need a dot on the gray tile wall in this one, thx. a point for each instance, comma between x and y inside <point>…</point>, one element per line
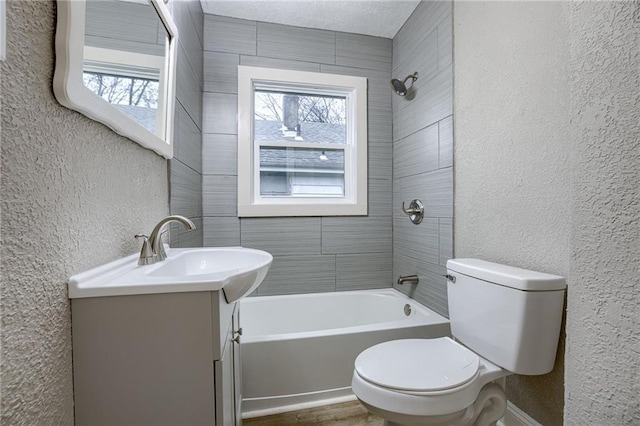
<point>185,168</point>
<point>129,26</point>
<point>423,153</point>
<point>310,254</point>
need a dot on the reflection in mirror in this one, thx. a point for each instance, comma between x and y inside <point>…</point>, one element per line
<point>115,63</point>
<point>124,55</point>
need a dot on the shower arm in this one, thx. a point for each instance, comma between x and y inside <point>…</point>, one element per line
<point>413,78</point>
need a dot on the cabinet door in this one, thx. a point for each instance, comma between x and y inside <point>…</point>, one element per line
<point>237,367</point>
<point>228,379</point>
<point>224,371</point>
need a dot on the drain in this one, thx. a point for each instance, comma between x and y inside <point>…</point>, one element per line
<point>407,309</point>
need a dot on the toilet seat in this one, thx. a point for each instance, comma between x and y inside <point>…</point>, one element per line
<point>418,365</point>
<point>376,384</point>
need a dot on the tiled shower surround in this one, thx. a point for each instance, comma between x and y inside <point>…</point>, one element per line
<point>423,153</point>
<point>410,156</point>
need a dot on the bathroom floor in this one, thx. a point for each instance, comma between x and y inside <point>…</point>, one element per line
<point>345,414</point>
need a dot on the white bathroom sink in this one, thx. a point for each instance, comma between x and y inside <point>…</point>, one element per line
<point>209,261</point>
<point>237,271</point>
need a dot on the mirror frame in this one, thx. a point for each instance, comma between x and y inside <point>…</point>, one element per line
<point>70,91</point>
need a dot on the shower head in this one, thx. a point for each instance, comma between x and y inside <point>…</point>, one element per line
<point>400,86</point>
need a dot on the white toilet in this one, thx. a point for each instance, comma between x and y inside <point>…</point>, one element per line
<point>508,320</point>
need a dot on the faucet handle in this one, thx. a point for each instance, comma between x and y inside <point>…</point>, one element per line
<point>415,211</point>
<point>145,238</point>
<point>146,254</point>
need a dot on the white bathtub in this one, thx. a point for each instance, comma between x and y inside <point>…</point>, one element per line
<point>299,350</point>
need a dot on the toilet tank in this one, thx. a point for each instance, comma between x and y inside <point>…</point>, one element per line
<point>508,315</point>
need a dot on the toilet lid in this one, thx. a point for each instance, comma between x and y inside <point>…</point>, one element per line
<point>419,365</point>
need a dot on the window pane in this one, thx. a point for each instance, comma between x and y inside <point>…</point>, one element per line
<point>281,116</point>
<point>291,172</point>
<point>137,98</point>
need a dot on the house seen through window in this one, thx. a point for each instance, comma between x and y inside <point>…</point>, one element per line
<point>311,134</point>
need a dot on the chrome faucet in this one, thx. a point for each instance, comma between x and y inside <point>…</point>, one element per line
<point>155,240</point>
<point>413,279</point>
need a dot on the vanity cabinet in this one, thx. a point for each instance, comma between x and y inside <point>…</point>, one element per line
<point>156,359</point>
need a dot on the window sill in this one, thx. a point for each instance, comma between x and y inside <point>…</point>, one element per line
<point>293,209</point>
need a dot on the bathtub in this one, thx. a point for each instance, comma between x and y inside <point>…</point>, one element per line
<point>298,351</point>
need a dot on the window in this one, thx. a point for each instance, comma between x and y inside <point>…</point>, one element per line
<point>137,98</point>
<point>129,81</point>
<point>302,143</point>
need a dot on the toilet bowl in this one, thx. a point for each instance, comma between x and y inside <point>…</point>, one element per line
<point>428,382</point>
<point>508,320</point>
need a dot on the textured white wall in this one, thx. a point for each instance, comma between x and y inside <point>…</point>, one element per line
<point>603,315</point>
<point>546,177</point>
<point>73,195</point>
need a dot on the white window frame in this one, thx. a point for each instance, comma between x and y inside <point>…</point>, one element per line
<point>354,202</point>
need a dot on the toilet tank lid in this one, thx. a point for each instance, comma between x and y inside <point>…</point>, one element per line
<point>521,279</point>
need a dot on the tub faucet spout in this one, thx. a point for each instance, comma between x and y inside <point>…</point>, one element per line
<point>155,239</point>
<point>413,279</point>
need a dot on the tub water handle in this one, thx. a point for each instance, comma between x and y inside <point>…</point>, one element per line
<point>415,211</point>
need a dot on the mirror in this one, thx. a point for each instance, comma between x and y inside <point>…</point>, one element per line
<point>115,63</point>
